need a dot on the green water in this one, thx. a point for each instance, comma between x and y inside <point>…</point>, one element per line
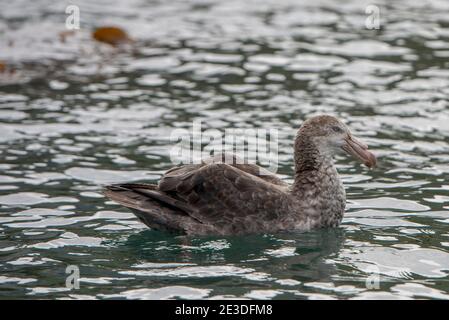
<point>77,115</point>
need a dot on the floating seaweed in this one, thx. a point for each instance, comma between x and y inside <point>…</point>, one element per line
<point>111,35</point>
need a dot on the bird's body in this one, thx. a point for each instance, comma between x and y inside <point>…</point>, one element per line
<point>218,197</point>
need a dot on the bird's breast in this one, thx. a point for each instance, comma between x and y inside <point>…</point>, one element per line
<point>322,199</point>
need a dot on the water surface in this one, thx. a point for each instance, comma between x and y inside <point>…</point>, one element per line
<point>76,115</point>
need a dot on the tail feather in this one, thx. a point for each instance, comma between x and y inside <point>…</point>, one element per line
<point>149,210</point>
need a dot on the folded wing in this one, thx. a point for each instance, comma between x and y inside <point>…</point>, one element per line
<point>210,198</point>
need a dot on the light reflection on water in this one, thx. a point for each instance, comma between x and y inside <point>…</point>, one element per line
<point>76,115</point>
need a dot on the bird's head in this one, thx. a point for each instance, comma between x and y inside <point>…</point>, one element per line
<point>331,136</point>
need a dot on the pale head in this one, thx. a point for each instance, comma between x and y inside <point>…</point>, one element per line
<point>331,136</point>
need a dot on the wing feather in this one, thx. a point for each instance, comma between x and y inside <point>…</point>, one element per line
<point>221,194</point>
<point>210,197</point>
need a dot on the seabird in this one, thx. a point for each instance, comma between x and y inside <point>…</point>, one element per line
<point>220,198</point>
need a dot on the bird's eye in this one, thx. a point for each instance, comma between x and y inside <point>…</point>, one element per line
<point>337,129</point>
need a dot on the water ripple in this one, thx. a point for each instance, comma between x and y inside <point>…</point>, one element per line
<point>76,114</point>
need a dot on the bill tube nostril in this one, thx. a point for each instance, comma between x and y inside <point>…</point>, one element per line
<point>359,150</point>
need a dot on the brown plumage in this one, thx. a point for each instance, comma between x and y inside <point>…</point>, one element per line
<point>220,198</point>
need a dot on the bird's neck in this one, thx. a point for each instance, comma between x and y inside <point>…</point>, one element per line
<point>311,165</point>
<point>317,187</point>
